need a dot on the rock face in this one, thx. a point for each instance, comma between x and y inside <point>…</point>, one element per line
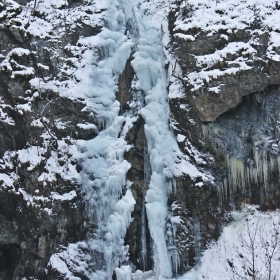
<point>228,109</point>
<point>222,63</point>
<point>40,209</point>
<point>88,142</point>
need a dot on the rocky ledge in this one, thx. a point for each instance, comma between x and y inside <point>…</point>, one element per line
<point>225,52</point>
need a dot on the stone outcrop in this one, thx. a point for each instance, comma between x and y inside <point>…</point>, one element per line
<point>37,216</point>
<point>220,67</point>
<point>227,114</point>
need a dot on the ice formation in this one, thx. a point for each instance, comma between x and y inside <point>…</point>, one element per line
<point>254,161</point>
<point>103,177</point>
<point>148,64</point>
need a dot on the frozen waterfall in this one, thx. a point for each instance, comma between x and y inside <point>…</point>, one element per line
<point>152,77</point>
<point>107,192</point>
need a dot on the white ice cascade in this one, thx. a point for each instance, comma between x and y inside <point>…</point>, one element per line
<point>107,193</point>
<point>148,64</point>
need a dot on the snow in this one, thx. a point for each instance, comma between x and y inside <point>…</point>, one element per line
<point>233,48</point>
<point>181,138</point>
<point>9,63</point>
<point>60,266</point>
<point>66,196</point>
<point>72,257</point>
<point>216,259</point>
<point>197,79</point>
<point>22,108</point>
<point>43,66</point>
<point>32,155</point>
<point>192,151</point>
<point>190,169</point>
<point>273,45</point>
<point>7,180</point>
<point>123,273</point>
<point>185,37</point>
<point>61,124</point>
<point>227,16</point>
<point>87,126</point>
<point>176,89</point>
<point>4,118</point>
<point>40,28</point>
<point>37,123</point>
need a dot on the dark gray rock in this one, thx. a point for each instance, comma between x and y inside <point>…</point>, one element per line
<point>259,72</point>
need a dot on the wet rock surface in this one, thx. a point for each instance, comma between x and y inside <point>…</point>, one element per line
<point>138,236</point>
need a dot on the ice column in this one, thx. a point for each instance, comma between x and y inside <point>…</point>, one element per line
<point>103,176</point>
<point>143,238</point>
<point>148,64</point>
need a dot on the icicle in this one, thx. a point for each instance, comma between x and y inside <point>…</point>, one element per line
<point>123,273</point>
<point>174,258</point>
<point>236,173</point>
<point>157,212</point>
<point>171,241</point>
<point>197,239</point>
<point>143,238</point>
<point>221,192</point>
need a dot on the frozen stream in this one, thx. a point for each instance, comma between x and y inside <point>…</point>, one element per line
<point>162,147</point>
<point>107,192</point>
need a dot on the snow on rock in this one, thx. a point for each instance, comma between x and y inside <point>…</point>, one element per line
<point>4,117</point>
<point>66,196</point>
<point>11,65</point>
<point>227,49</point>
<point>274,44</point>
<point>71,260</point>
<point>181,137</point>
<point>32,155</point>
<point>213,16</point>
<point>87,126</point>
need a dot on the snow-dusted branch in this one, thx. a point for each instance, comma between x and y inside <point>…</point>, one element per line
<point>259,252</point>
